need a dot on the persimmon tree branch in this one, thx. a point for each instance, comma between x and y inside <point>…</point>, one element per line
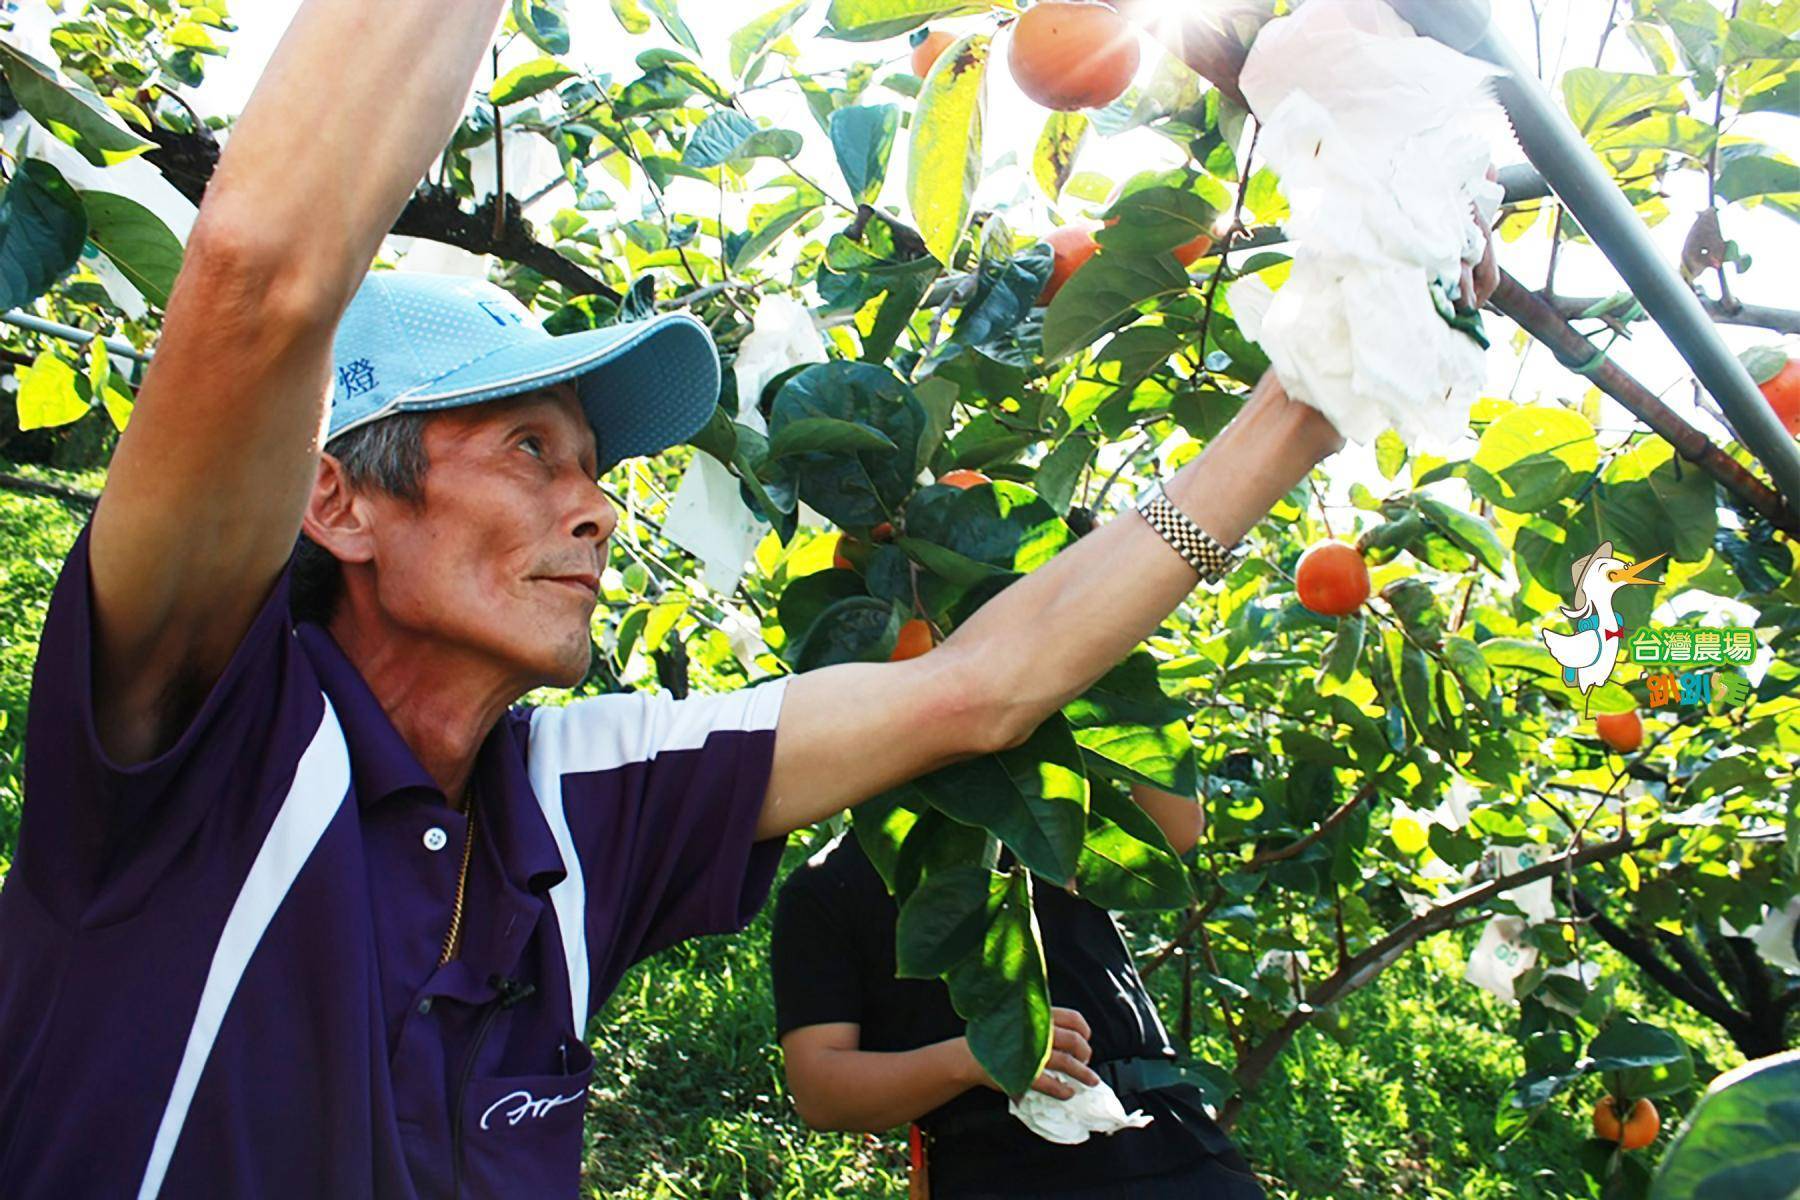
<point>1337,817</point>
<point>1781,320</point>
<point>1538,317</point>
<point>1700,996</point>
<point>496,226</point>
<point>79,497</point>
<point>1362,968</point>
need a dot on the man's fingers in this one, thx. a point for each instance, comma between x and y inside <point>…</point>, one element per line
<point>1465,292</point>
<point>1487,276</point>
<point>1052,1086</point>
<point>1068,1018</point>
<point>1072,1067</point>
<point>1072,1044</point>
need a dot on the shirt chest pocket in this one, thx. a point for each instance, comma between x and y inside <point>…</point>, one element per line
<point>521,1134</point>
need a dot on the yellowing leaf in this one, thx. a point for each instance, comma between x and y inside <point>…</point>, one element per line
<point>1409,836</point>
<point>47,394</point>
<point>944,157</point>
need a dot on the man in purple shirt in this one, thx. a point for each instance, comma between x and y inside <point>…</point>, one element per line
<point>304,903</point>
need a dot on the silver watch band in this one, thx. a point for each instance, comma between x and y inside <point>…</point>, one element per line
<point>1201,551</point>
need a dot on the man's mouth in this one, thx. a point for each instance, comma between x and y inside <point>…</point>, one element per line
<point>587,584</point>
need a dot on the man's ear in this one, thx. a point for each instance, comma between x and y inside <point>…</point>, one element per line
<point>337,518</point>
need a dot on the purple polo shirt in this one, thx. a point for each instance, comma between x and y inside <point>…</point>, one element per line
<point>218,968</point>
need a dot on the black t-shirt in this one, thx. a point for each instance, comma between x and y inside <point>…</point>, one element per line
<point>832,956</point>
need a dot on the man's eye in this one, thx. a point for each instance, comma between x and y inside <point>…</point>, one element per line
<point>532,444</point>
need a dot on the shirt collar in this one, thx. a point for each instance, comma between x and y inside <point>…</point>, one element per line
<point>382,764</point>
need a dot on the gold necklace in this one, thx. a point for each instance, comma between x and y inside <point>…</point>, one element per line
<point>454,934</point>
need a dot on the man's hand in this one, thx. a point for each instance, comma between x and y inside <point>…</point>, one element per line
<point>1480,280</point>
<point>1069,1053</point>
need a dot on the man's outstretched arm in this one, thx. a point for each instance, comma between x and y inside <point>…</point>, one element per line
<point>210,480</point>
<point>850,731</point>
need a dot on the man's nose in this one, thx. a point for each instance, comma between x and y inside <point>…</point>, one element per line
<point>594,517</point>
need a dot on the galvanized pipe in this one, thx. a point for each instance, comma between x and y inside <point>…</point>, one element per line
<point>1590,195</point>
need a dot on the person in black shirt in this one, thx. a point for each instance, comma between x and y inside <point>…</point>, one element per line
<point>865,1050</point>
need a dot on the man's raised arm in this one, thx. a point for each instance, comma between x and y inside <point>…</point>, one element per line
<point>206,491</point>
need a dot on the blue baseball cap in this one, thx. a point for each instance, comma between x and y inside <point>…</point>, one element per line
<point>415,342</point>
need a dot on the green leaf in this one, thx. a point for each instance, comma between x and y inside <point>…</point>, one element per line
<point>1053,160</point>
<point>1002,524</point>
<point>76,117</point>
<point>544,22</point>
<point>631,16</point>
<point>669,17</point>
<point>1342,656</point>
<point>1130,730</point>
<point>1004,994</point>
<point>1390,454</point>
<point>1653,504</point>
<point>1762,179</point>
<point>1648,1060</point>
<point>855,629</point>
<point>1661,131</point>
<point>826,435</point>
<point>1741,1139</point>
<point>1470,664</point>
<point>873,20</point>
<point>48,394</point>
<point>727,135</point>
<point>1598,99</point>
<point>1006,289</point>
<point>859,487</point>
<point>137,242</point>
<point>862,137</point>
<point>1061,469</point>
<point>944,155</point>
<point>768,226</point>
<point>945,919</point>
<point>1126,862</point>
<point>1533,456</point>
<point>1104,294</point>
<point>1156,219</point>
<point>528,79</point>
<point>1033,797</point>
<point>42,230</point>
<point>750,45</point>
<point>1466,530</point>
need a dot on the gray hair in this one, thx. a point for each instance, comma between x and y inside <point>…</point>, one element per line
<point>386,456</point>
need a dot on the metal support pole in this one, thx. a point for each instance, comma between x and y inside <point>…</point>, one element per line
<point>69,333</point>
<point>1590,195</point>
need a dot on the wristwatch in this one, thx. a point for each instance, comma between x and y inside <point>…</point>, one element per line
<point>1199,548</point>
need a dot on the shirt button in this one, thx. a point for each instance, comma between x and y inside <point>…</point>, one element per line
<point>436,838</point>
<point>425,1005</point>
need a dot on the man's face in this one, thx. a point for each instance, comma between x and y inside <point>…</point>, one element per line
<point>502,560</point>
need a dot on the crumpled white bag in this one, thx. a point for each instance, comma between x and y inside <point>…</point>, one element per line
<point>782,335</point>
<point>1373,132</point>
<point>708,518</point>
<point>1536,899</point>
<point>1500,957</point>
<point>1774,937</point>
<point>707,515</point>
<point>1092,1109</point>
